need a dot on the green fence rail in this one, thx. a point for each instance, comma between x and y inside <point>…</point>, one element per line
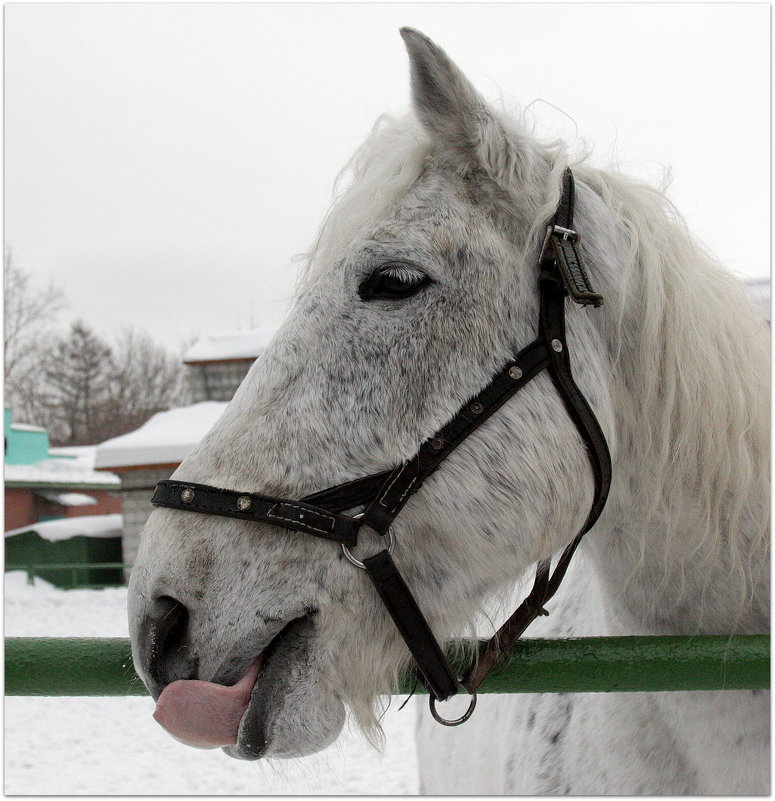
<point>80,666</point>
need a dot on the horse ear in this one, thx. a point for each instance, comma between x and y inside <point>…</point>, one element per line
<point>449,107</point>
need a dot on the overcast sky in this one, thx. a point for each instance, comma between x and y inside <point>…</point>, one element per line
<point>164,162</point>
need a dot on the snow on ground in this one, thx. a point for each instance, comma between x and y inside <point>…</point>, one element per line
<point>167,437</point>
<point>112,746</point>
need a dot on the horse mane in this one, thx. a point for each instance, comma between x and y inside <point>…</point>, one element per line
<point>697,367</point>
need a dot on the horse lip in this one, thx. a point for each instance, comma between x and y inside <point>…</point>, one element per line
<point>252,736</point>
<point>239,658</point>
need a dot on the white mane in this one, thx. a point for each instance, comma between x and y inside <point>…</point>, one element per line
<point>699,338</point>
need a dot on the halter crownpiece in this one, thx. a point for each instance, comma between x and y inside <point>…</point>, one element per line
<point>561,273</point>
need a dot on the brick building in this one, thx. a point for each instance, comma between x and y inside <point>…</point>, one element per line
<point>43,483</point>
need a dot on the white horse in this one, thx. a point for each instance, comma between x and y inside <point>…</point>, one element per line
<point>445,217</point>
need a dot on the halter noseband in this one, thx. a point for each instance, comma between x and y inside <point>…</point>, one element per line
<point>561,272</point>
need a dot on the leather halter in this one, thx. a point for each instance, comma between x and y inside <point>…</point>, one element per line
<point>561,273</point>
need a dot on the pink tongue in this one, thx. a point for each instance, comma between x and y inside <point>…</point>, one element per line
<point>203,714</point>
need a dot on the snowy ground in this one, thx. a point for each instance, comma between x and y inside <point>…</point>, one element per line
<point>112,746</point>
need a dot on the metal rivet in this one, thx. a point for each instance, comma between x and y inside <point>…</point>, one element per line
<point>515,372</point>
<point>437,443</point>
<point>243,503</point>
<point>187,495</point>
<point>477,408</point>
<point>556,345</point>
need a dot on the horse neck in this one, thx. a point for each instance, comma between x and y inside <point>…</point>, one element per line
<point>683,544</point>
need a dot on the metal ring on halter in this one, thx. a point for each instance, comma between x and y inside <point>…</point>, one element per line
<point>457,721</point>
<point>358,563</point>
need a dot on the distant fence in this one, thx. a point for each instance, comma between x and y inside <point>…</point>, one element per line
<point>77,571</point>
<point>103,666</point>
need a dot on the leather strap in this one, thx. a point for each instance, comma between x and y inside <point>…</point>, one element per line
<point>296,515</point>
<point>424,647</point>
<point>406,479</point>
<point>562,240</point>
<point>350,495</point>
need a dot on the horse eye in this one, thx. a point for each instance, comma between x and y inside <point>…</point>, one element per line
<point>393,282</point>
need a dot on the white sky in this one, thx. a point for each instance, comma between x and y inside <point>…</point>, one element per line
<point>164,162</point>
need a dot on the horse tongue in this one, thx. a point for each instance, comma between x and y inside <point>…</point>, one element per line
<point>203,714</point>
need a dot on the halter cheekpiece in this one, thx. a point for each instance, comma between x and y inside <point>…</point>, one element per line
<point>561,273</point>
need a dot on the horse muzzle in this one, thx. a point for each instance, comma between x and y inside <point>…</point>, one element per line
<point>263,700</point>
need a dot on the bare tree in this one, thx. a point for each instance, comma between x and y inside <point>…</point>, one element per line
<point>146,379</point>
<point>28,315</point>
<point>79,371</point>
<point>77,386</point>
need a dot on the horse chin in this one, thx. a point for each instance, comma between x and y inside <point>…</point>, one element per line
<point>291,713</point>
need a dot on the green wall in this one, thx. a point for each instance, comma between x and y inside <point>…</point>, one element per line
<point>29,548</point>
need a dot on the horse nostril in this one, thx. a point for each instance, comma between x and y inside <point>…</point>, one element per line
<point>167,653</point>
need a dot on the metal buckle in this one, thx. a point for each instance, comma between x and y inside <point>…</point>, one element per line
<point>456,721</point>
<point>357,562</point>
<point>567,233</point>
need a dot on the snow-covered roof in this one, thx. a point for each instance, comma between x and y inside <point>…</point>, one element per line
<point>230,345</point>
<point>27,427</point>
<point>81,455</point>
<point>69,527</point>
<point>59,473</point>
<point>167,438</point>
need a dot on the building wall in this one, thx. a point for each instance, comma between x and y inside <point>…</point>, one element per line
<point>136,491</point>
<point>19,507</point>
<point>23,507</point>
<point>205,381</point>
<point>108,503</point>
<point>215,381</point>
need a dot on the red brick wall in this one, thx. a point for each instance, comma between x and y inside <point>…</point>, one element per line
<point>23,507</point>
<point>107,504</point>
<point>19,508</point>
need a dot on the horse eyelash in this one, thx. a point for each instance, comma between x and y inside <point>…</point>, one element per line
<point>402,272</point>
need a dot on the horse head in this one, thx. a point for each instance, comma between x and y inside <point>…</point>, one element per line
<point>421,285</point>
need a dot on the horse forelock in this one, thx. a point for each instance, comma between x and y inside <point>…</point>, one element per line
<point>376,175</point>
<point>384,167</point>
